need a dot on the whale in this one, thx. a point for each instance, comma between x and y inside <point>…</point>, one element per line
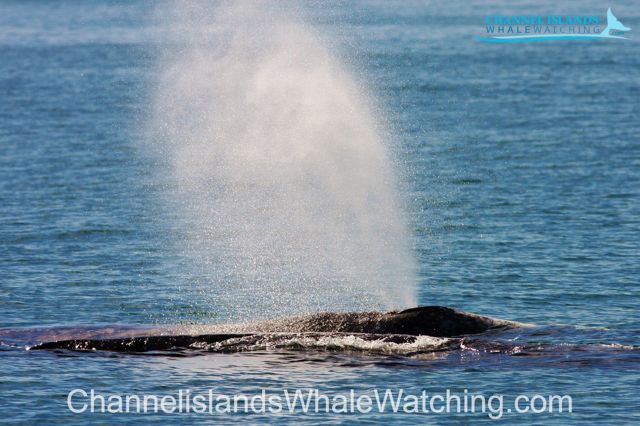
<point>395,326</point>
<point>613,23</point>
<point>427,334</point>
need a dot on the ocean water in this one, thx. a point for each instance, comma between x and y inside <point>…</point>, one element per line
<point>520,165</point>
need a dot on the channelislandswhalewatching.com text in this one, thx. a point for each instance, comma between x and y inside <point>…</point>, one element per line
<point>309,401</point>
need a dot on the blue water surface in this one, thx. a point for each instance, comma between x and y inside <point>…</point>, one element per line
<point>521,165</point>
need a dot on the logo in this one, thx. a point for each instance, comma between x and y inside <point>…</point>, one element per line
<point>526,28</point>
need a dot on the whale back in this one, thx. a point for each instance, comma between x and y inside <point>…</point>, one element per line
<point>436,321</point>
<point>427,321</point>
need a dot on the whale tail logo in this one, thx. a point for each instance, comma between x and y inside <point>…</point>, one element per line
<point>613,24</point>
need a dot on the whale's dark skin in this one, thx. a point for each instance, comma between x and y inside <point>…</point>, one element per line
<point>436,321</point>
